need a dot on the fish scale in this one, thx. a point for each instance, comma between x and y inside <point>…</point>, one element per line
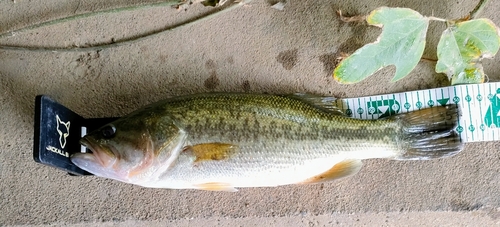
<point>269,118</point>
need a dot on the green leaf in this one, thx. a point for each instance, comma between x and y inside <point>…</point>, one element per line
<point>461,48</point>
<point>401,44</point>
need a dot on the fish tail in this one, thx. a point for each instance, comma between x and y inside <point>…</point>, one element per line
<point>429,133</point>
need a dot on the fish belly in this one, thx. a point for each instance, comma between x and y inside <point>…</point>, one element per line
<point>268,164</point>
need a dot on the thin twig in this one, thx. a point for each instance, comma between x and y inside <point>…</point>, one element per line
<point>90,14</point>
<point>346,19</point>
<point>125,41</point>
<point>479,8</point>
<point>437,19</point>
<point>430,60</point>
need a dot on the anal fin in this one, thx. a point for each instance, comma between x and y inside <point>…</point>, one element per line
<point>216,186</point>
<point>342,169</point>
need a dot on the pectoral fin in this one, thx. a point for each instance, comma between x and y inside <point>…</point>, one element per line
<point>216,186</point>
<point>212,151</point>
<point>342,169</point>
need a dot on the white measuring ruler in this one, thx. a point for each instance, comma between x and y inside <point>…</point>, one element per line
<point>479,104</point>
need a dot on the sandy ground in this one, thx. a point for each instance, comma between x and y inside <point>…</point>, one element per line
<point>250,49</point>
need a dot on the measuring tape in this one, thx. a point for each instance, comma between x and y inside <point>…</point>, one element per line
<point>479,104</point>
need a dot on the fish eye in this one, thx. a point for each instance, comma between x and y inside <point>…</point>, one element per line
<point>108,131</point>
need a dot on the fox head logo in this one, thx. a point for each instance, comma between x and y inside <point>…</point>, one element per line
<point>63,130</point>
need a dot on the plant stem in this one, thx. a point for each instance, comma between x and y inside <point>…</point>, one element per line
<point>346,19</point>
<point>90,14</point>
<point>479,8</point>
<point>431,60</point>
<point>125,41</point>
<point>437,19</point>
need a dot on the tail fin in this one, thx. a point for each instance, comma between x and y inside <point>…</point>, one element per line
<point>430,133</point>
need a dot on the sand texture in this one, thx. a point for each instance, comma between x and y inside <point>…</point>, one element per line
<point>254,48</point>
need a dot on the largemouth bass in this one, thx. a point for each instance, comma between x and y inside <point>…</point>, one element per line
<point>226,141</point>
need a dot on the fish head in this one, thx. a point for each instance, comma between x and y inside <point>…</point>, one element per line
<point>130,149</point>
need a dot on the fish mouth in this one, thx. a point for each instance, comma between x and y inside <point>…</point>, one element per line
<point>86,143</point>
<point>101,154</point>
<point>100,161</point>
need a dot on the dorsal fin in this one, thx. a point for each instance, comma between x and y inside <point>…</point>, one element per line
<point>324,102</point>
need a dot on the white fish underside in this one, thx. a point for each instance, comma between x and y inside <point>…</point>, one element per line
<point>266,165</point>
